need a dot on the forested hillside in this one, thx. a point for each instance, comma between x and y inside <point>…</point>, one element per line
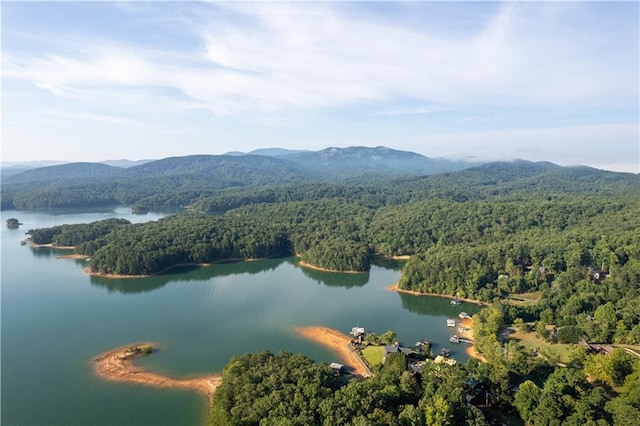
<point>179,181</point>
<point>376,176</point>
<point>555,251</point>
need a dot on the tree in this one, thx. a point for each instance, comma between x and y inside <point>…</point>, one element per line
<point>527,399</point>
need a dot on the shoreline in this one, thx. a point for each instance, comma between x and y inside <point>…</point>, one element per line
<point>50,245</point>
<point>88,271</point>
<point>394,287</point>
<point>117,365</point>
<point>395,257</point>
<point>468,323</point>
<point>73,256</point>
<point>338,343</point>
<point>318,268</point>
<point>471,349</point>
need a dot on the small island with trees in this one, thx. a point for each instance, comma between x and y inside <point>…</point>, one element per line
<point>13,223</point>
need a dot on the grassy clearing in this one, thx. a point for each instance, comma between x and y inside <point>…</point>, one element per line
<point>373,355</point>
<point>555,353</point>
<point>525,299</point>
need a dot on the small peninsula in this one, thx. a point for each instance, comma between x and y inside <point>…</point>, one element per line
<point>117,365</point>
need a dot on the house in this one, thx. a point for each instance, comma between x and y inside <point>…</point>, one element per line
<point>395,348</point>
<point>593,348</point>
<point>597,275</point>
<point>442,360</point>
<point>337,369</point>
<point>476,393</point>
<point>358,333</point>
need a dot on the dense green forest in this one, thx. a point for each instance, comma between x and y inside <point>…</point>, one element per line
<point>287,389</point>
<point>510,387</point>
<point>219,183</point>
<point>180,181</point>
<point>567,237</point>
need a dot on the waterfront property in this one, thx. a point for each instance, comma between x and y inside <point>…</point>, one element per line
<point>338,369</point>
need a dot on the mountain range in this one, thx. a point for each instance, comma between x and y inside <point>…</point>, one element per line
<point>180,181</point>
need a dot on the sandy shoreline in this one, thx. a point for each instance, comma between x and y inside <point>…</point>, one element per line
<point>117,365</point>
<point>394,287</point>
<point>73,256</point>
<point>317,268</point>
<point>50,245</point>
<point>471,350</point>
<point>338,343</point>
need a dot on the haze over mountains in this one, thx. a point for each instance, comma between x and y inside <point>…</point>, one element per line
<point>279,174</point>
<point>338,162</point>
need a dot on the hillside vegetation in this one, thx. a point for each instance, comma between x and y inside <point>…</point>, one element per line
<point>571,236</point>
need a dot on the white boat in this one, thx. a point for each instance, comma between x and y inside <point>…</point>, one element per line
<point>451,323</point>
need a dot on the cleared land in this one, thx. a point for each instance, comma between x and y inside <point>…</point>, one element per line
<point>556,352</point>
<point>373,355</point>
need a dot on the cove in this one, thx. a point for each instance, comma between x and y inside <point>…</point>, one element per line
<point>55,319</point>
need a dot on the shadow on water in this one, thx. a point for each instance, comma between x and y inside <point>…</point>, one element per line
<point>186,273</point>
<point>427,305</point>
<point>386,263</point>
<point>49,251</point>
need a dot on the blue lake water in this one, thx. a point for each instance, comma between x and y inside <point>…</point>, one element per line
<point>55,319</point>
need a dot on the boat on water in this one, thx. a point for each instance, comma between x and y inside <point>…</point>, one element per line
<point>456,302</point>
<point>451,323</point>
<point>445,352</point>
<point>454,338</point>
<point>464,315</point>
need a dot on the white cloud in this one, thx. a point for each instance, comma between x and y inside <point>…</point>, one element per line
<point>600,146</point>
<point>275,57</point>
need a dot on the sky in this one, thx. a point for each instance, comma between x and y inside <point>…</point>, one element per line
<point>542,81</point>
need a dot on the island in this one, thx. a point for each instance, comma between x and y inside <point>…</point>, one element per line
<point>13,223</point>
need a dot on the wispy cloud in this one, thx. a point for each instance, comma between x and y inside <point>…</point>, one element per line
<point>103,118</point>
<point>472,78</point>
<point>274,57</point>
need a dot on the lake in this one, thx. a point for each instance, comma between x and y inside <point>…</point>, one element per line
<point>56,319</point>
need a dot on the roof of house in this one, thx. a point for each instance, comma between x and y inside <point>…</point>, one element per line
<point>396,348</point>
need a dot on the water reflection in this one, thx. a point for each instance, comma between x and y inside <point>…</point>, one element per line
<point>49,251</point>
<point>336,279</point>
<point>440,306</point>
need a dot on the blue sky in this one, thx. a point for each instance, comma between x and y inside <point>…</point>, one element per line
<point>91,81</point>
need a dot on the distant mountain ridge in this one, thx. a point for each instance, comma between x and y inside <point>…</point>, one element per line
<point>237,179</point>
<point>333,163</point>
<point>379,161</point>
